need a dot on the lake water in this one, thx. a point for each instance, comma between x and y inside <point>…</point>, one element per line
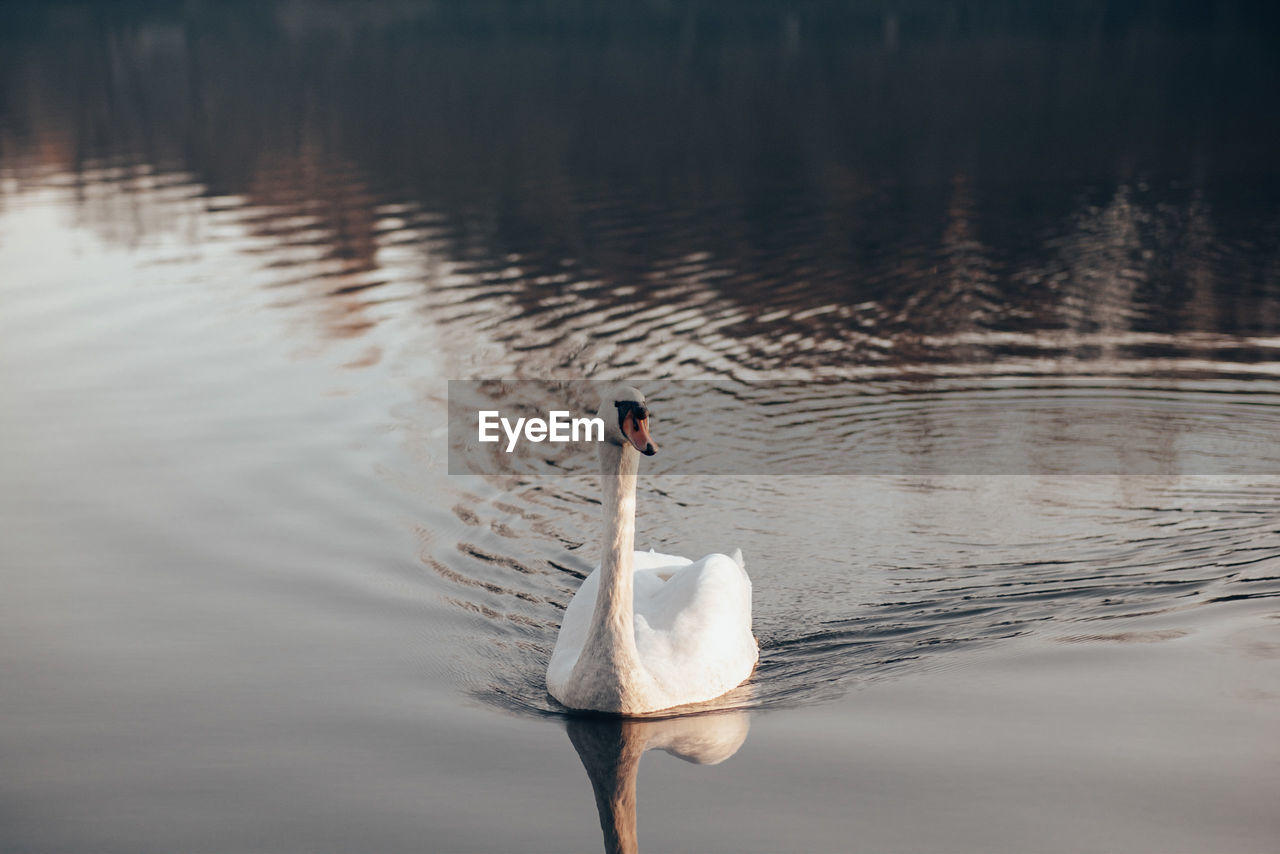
<point>1014,275</point>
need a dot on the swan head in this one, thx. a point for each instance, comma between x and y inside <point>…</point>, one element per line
<point>626,419</point>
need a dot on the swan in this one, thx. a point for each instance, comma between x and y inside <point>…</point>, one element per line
<point>648,631</point>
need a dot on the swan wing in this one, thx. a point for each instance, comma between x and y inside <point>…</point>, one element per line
<point>693,632</point>
<point>652,560</point>
<point>573,633</point>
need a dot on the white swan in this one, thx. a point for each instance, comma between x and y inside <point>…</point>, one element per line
<point>648,631</point>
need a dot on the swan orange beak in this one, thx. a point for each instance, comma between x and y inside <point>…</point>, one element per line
<point>637,432</point>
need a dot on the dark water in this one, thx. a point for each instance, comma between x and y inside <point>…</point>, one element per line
<point>244,247</point>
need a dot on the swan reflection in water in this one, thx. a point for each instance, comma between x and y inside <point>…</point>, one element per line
<point>610,749</point>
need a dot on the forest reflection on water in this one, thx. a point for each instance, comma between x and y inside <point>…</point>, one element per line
<point>243,248</point>
<point>927,192</point>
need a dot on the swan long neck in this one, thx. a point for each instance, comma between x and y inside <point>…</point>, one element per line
<point>608,672</point>
<point>613,620</point>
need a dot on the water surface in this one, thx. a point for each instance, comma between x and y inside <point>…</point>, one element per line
<point>244,248</point>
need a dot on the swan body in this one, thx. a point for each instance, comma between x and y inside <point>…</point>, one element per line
<point>649,631</point>
<point>692,625</point>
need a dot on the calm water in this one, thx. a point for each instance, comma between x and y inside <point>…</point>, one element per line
<point>244,247</point>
